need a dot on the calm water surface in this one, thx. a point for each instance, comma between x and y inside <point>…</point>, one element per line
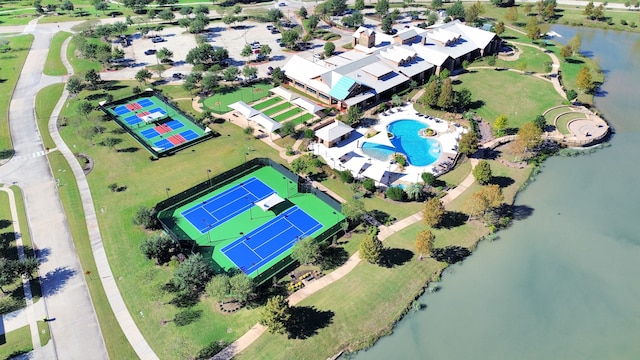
<point>565,282</point>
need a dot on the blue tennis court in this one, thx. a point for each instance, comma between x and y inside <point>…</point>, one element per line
<point>149,133</point>
<point>120,110</point>
<point>145,102</point>
<point>132,120</point>
<point>267,242</point>
<point>227,204</point>
<point>163,144</point>
<point>174,124</point>
<point>189,135</point>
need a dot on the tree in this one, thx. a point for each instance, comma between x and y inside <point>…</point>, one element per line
<point>598,12</point>
<point>462,98</point>
<point>396,100</point>
<point>303,12</point>
<point>428,178</point>
<point>414,191</point>
<point>265,50</point>
<point>541,122</point>
<point>143,75</point>
<point>371,247</point>
<point>246,52</point>
<point>424,242</point>
<point>588,9</point>
<point>101,6</point>
<point>193,274</point>
<point>566,51</point>
<point>145,217</point>
<point>230,73</point>
<point>219,288</point>
<point>329,48</point>
<point>74,85</point>
<point>117,53</point>
<point>7,273</point>
<point>307,251</point>
<point>500,125</point>
<point>499,28</point>
<point>277,76</point>
<point>359,5</point>
<point>159,247</point>
<point>527,139</point>
<point>67,6</point>
<point>274,15</point>
<point>431,94</point>
<point>382,8</point>
<point>482,172</point>
<point>27,267</point>
<point>164,55</point>
<point>387,24</point>
<point>433,212</point>
<point>532,29</point>
<point>512,14</point>
<point>276,314</point>
<point>456,10</point>
<point>85,108</point>
<point>488,197</point>
<point>445,99</point>
<point>207,55</point>
<point>186,11</point>
<point>137,6</point>
<point>571,94</point>
<point>584,80</point>
<point>242,286</point>
<point>436,4</point>
<point>575,44</point>
<point>433,17</point>
<point>353,210</point>
<point>166,15</point>
<point>289,38</point>
<point>249,72</point>
<point>369,185</point>
<point>468,143</point>
<point>88,132</point>
<point>338,6</point>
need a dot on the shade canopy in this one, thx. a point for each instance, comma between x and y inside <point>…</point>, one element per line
<point>381,138</point>
<point>310,106</point>
<point>244,109</point>
<point>376,171</point>
<point>266,122</point>
<point>283,93</point>
<point>333,131</point>
<point>355,164</point>
<point>269,202</point>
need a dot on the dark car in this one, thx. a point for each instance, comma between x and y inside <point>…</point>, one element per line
<point>157,39</point>
<point>178,76</point>
<point>150,52</point>
<point>270,70</point>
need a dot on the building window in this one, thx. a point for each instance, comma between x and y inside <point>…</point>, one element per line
<point>323,96</point>
<point>312,91</point>
<point>300,85</point>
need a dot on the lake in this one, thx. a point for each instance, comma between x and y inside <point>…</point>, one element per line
<point>563,283</point>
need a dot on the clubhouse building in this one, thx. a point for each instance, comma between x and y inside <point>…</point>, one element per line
<point>381,65</point>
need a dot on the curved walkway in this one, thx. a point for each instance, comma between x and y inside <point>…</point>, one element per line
<point>129,328</point>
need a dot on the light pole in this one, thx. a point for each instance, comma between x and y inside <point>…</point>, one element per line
<point>209,176</point>
<point>167,190</point>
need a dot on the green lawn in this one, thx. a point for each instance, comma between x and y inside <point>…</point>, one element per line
<point>563,121</point>
<point>53,65</point>
<point>46,100</point>
<point>219,103</point>
<point>285,115</point>
<point>265,104</point>
<point>81,66</point>
<point>570,69</point>
<point>302,118</point>
<point>17,342</point>
<point>519,97</point>
<point>10,69</point>
<point>141,283</point>
<point>276,109</point>
<point>530,59</point>
<point>19,17</point>
<point>551,115</point>
<point>44,332</point>
<point>359,309</point>
<point>454,177</point>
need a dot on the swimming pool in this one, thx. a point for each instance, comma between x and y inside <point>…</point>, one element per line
<point>420,151</point>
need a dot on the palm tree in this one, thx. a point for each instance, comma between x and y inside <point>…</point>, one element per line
<point>414,191</point>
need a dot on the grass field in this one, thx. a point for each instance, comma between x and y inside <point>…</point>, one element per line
<point>81,66</point>
<point>276,109</point>
<point>46,100</point>
<point>457,175</point>
<point>266,103</point>
<point>551,115</point>
<point>44,332</point>
<point>570,71</point>
<point>519,97</point>
<point>285,115</point>
<point>53,65</point>
<point>563,121</point>
<point>16,342</point>
<point>530,59</point>
<point>219,103</point>
<point>12,63</point>
<point>141,283</point>
<point>302,118</point>
<point>18,17</point>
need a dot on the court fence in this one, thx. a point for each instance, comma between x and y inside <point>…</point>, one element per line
<point>165,208</point>
<point>149,93</point>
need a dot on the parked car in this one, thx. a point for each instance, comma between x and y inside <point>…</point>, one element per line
<point>270,70</point>
<point>178,76</point>
<point>150,51</point>
<point>275,31</point>
<point>282,4</point>
<point>157,39</point>
<point>269,27</point>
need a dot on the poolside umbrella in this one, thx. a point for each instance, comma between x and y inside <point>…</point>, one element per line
<point>381,138</point>
<point>355,164</point>
<point>376,171</point>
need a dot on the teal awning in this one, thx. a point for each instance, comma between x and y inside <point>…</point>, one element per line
<point>342,88</point>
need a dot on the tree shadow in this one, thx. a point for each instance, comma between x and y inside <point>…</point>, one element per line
<point>184,299</point>
<point>53,281</point>
<point>4,223</point>
<point>574,61</point>
<point>521,212</point>
<point>307,320</point>
<point>392,257</point>
<point>333,257</point>
<point>42,254</point>
<point>477,104</point>
<point>450,254</point>
<point>381,216</point>
<point>131,149</point>
<point>453,219</point>
<point>502,181</point>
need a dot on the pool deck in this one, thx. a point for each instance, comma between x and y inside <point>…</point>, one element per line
<point>340,155</point>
